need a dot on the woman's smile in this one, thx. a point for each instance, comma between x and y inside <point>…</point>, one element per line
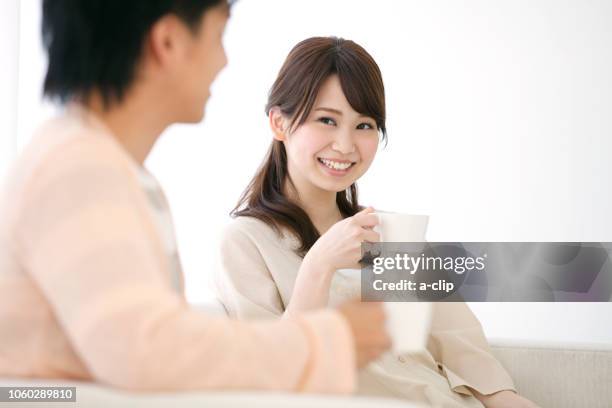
<point>334,167</point>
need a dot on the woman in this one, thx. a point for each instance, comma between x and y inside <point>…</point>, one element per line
<point>298,225</point>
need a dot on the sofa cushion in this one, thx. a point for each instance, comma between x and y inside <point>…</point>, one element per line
<point>559,375</point>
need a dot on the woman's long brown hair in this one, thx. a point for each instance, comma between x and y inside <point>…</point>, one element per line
<point>294,92</point>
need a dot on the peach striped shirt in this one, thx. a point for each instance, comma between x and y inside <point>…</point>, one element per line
<point>86,290</point>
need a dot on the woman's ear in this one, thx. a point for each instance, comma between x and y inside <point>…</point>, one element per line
<point>278,123</point>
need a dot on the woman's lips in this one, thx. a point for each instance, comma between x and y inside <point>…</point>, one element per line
<point>335,168</point>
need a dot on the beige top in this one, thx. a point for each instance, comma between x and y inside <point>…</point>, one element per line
<point>255,276</point>
<point>90,290</point>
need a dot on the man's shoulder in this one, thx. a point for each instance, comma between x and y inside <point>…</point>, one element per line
<point>69,141</point>
<point>63,149</point>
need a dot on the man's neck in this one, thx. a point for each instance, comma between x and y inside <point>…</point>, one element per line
<point>135,122</point>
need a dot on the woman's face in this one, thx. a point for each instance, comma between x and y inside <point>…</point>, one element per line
<point>334,146</point>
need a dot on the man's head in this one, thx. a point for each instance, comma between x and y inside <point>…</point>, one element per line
<point>108,48</point>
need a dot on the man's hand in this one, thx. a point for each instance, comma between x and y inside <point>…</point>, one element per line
<point>367,321</point>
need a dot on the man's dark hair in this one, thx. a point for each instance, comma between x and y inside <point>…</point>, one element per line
<point>96,44</point>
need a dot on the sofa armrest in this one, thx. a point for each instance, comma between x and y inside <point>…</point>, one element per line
<point>559,375</point>
<point>93,395</point>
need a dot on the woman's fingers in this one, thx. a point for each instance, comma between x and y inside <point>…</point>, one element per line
<point>366,218</point>
<point>370,236</point>
<point>366,210</point>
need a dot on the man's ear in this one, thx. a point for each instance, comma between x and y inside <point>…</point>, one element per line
<point>278,123</point>
<point>166,41</point>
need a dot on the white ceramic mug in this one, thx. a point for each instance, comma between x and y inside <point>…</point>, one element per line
<point>407,322</point>
<point>396,227</point>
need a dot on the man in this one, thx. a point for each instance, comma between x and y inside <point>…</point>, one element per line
<point>90,285</point>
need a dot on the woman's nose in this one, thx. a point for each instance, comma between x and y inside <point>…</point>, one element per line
<point>343,143</point>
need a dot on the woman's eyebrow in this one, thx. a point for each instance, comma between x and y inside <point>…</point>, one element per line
<point>339,112</point>
<point>336,111</point>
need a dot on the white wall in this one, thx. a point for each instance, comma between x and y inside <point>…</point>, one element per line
<point>9,44</point>
<point>31,109</point>
<point>499,128</point>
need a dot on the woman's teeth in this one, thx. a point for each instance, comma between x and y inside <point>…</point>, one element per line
<point>336,165</point>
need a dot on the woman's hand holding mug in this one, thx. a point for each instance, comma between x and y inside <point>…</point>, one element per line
<point>338,248</point>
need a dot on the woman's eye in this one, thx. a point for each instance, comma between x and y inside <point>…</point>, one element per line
<point>365,126</point>
<point>327,121</point>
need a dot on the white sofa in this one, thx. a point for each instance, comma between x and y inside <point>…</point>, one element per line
<point>552,375</point>
<point>559,375</point>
